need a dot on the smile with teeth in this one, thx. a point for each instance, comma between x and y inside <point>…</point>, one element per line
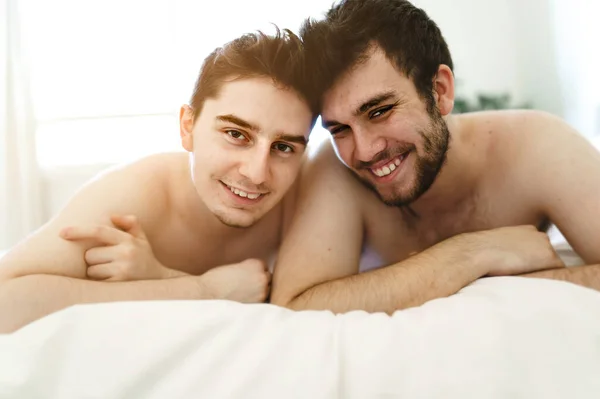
<point>244,194</point>
<point>390,167</point>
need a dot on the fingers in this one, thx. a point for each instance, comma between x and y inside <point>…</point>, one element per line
<point>128,223</point>
<point>102,271</point>
<point>112,271</point>
<point>104,234</point>
<point>123,222</point>
<point>99,255</point>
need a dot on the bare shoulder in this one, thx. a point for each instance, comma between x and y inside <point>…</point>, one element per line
<point>324,169</point>
<point>528,149</point>
<point>513,128</point>
<point>520,138</point>
<point>138,186</point>
<point>150,171</point>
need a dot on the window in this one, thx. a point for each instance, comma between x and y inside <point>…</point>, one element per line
<point>576,24</point>
<point>108,77</point>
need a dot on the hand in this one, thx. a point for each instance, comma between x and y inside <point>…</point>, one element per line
<point>509,251</point>
<point>248,281</point>
<point>121,253</point>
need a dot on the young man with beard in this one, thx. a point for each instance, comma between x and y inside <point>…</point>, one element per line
<point>206,221</point>
<point>428,176</point>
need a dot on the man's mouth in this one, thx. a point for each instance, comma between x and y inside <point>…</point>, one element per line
<point>243,193</point>
<point>389,167</point>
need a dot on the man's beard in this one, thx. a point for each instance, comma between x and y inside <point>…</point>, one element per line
<point>436,140</point>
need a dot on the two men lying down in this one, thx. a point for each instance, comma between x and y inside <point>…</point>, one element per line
<point>442,199</point>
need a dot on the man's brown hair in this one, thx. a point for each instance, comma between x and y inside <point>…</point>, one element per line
<point>409,38</point>
<point>253,55</point>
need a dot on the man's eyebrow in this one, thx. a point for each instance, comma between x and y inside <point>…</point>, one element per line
<point>364,107</point>
<point>328,124</point>
<point>292,138</point>
<point>373,102</point>
<point>237,121</point>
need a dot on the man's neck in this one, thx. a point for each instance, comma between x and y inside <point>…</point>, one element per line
<point>456,183</point>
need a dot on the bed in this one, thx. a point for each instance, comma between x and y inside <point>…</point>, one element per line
<point>502,337</point>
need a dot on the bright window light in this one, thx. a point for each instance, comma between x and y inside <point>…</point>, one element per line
<point>108,77</point>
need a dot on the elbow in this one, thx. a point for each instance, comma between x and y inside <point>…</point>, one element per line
<point>286,301</point>
<point>7,282</point>
<point>296,301</point>
<point>5,275</point>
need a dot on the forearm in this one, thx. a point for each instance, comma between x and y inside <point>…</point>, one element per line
<point>438,272</point>
<point>587,276</point>
<point>173,273</point>
<point>25,299</point>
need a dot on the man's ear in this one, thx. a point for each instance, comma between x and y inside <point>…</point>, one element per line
<point>443,90</point>
<point>186,127</point>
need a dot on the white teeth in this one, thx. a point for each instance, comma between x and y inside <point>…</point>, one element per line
<point>389,168</point>
<point>244,194</point>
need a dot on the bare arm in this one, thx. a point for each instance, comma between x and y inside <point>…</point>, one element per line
<point>319,260</point>
<point>438,272</point>
<point>45,273</point>
<point>586,276</point>
<point>28,298</point>
<point>564,180</point>
<point>323,242</point>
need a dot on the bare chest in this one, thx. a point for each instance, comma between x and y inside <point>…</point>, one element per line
<point>394,235</point>
<point>180,248</point>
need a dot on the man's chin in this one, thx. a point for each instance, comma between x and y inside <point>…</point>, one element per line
<point>236,218</point>
<point>238,223</point>
<point>390,196</point>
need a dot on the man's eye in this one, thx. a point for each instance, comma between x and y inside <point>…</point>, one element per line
<point>337,130</point>
<point>378,112</point>
<point>235,134</point>
<point>283,147</point>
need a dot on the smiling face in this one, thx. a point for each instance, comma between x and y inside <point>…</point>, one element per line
<point>247,146</point>
<point>383,130</point>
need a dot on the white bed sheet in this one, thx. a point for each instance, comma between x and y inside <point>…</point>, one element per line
<point>503,337</point>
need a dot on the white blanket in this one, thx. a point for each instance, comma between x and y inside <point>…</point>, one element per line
<point>503,337</point>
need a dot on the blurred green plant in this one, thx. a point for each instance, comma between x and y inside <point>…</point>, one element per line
<point>485,102</point>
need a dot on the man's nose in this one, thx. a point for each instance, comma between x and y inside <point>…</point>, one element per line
<point>255,166</point>
<point>367,145</point>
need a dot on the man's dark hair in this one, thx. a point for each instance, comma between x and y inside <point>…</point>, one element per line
<point>279,57</point>
<point>409,38</point>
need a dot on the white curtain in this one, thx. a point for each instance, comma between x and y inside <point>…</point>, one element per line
<point>20,183</point>
<point>577,35</point>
